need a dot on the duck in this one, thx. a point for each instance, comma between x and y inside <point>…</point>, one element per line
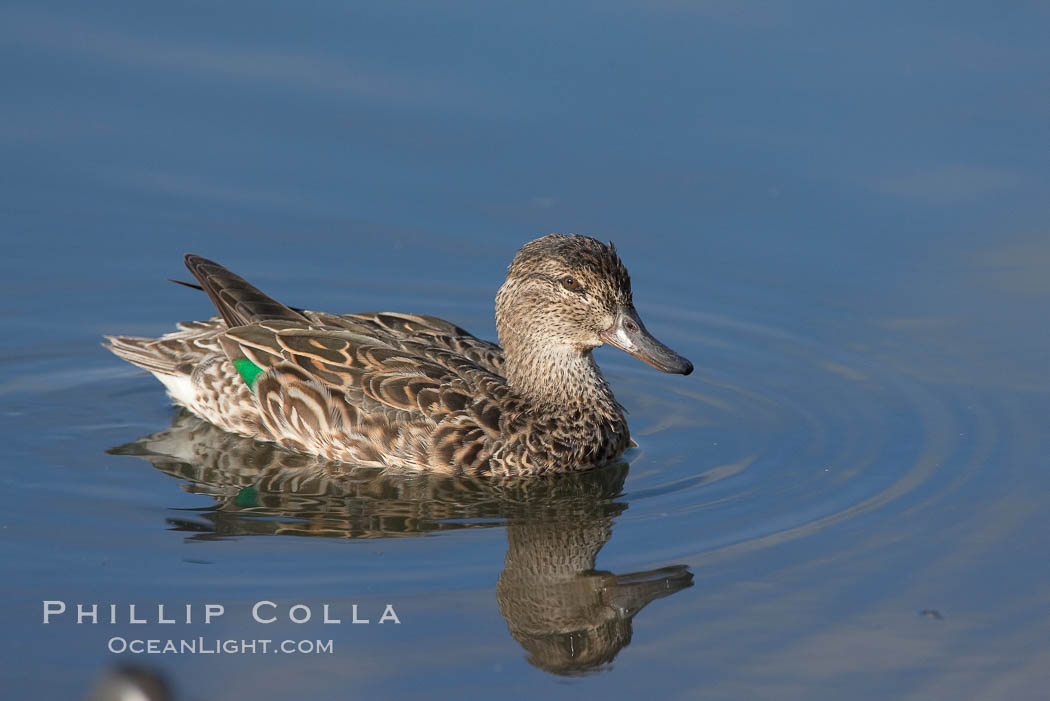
<point>417,392</point>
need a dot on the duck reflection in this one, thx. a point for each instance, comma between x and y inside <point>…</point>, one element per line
<point>568,616</point>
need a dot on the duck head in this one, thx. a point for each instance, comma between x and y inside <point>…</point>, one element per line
<point>572,293</point>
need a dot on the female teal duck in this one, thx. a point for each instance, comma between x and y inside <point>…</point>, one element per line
<point>414,391</point>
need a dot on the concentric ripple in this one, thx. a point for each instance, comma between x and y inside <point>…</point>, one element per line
<point>782,436</point>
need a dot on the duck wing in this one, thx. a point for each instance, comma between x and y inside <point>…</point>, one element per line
<point>324,390</point>
<point>414,329</point>
<point>240,303</point>
<point>408,376</point>
<point>368,388</point>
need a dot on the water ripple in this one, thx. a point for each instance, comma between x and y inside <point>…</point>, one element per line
<point>783,437</point>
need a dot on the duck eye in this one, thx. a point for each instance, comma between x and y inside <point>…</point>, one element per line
<point>571,283</point>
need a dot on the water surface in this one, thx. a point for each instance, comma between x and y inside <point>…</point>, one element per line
<point>839,215</point>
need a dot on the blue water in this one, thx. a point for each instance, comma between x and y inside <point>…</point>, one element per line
<point>839,214</point>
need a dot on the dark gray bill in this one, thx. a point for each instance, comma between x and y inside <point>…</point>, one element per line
<point>629,334</point>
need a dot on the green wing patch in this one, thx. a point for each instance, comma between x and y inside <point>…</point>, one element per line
<point>248,371</point>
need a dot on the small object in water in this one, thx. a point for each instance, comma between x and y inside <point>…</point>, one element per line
<point>932,613</point>
<point>413,391</point>
<point>131,682</point>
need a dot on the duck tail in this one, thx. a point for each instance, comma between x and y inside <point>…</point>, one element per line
<point>151,354</point>
<point>239,302</point>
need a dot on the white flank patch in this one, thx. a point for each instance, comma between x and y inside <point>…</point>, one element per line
<point>180,387</point>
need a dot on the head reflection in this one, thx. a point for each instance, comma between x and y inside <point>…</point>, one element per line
<point>568,616</point>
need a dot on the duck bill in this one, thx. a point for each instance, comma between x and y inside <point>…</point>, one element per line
<point>629,334</point>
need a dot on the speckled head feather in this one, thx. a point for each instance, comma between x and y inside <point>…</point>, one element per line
<point>561,291</point>
<point>595,263</point>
